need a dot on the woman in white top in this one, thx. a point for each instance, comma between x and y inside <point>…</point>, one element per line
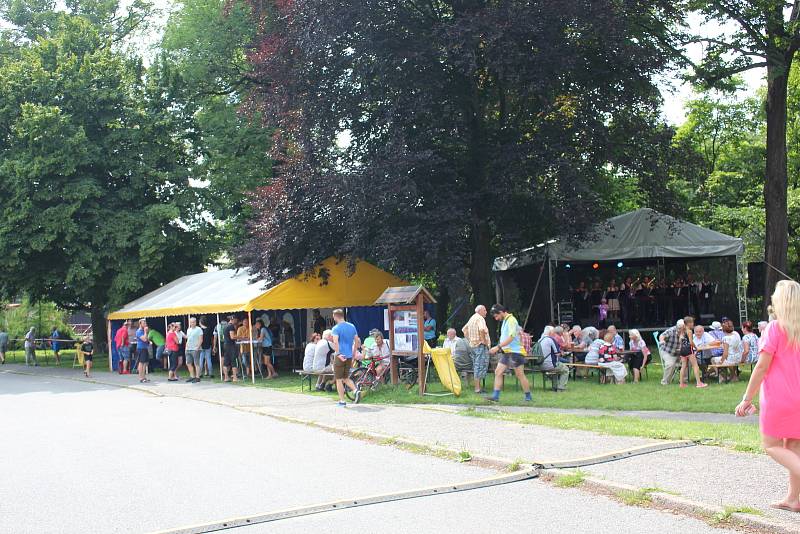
<point>732,352</point>
<point>639,358</point>
<point>308,355</point>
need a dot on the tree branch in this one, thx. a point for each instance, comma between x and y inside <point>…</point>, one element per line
<point>746,26</point>
<point>741,50</point>
<point>726,73</point>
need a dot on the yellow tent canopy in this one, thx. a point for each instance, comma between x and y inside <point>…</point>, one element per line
<point>232,290</point>
<point>361,288</point>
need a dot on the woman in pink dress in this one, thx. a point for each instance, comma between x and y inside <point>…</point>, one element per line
<point>777,373</point>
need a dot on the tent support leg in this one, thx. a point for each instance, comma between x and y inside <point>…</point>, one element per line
<point>250,330</point>
<point>110,350</point>
<point>219,348</point>
<point>551,281</point>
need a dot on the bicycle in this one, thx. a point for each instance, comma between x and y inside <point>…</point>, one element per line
<point>367,378</point>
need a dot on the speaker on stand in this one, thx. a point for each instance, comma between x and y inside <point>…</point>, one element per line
<point>756,278</point>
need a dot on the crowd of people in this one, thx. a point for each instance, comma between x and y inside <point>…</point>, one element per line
<point>642,300</point>
<point>195,349</point>
<point>55,342</point>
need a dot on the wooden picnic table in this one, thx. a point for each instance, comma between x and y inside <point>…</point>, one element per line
<point>579,359</point>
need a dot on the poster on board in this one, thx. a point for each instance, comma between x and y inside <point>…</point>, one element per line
<point>406,331</point>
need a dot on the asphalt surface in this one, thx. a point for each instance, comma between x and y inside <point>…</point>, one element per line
<point>80,457</point>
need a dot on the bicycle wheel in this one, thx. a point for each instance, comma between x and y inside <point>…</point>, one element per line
<point>410,377</point>
<point>357,376</point>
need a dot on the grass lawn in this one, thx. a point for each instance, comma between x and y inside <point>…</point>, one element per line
<point>581,393</point>
<point>744,438</point>
<point>647,395</point>
<point>46,359</point>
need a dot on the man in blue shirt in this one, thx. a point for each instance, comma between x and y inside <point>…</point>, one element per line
<point>618,341</point>
<point>345,343</point>
<point>55,346</point>
<point>142,354</point>
<point>429,326</point>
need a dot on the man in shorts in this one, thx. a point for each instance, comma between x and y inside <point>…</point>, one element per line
<point>3,346</point>
<point>230,351</point>
<point>194,342</point>
<point>142,352</point>
<point>477,334</point>
<point>55,344</point>
<point>345,341</point>
<point>122,343</point>
<point>512,353</point>
<point>87,348</point>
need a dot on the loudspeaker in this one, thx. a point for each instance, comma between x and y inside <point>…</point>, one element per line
<point>756,273</point>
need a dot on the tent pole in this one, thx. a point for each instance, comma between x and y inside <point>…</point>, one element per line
<point>219,347</point>
<point>535,290</point>
<point>250,333</point>
<point>110,354</point>
<point>551,281</point>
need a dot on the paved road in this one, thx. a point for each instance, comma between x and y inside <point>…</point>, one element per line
<point>86,458</point>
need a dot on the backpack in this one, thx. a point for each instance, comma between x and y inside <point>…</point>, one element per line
<point>536,352</point>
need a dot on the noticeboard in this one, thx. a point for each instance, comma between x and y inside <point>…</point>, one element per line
<point>405,331</point>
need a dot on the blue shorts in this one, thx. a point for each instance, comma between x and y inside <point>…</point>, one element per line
<point>512,360</point>
<point>124,353</point>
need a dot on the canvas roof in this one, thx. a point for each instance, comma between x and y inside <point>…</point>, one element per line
<point>232,290</point>
<point>644,233</point>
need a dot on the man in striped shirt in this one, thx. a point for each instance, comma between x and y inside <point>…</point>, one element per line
<point>477,334</point>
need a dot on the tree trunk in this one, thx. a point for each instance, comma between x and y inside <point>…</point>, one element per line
<point>442,306</point>
<point>99,334</point>
<point>775,184</point>
<point>480,274</point>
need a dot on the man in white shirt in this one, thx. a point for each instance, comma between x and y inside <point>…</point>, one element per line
<point>704,342</point>
<point>194,343</point>
<point>30,348</point>
<point>380,351</point>
<point>459,350</point>
<point>451,340</point>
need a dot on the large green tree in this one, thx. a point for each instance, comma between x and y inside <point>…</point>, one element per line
<point>429,136</point>
<point>765,34</point>
<point>204,53</point>
<point>97,205</point>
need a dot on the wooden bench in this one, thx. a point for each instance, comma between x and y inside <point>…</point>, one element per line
<point>730,369</point>
<point>547,373</point>
<point>306,377</point>
<point>575,366</point>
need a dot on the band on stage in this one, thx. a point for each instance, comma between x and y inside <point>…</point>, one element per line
<point>643,301</point>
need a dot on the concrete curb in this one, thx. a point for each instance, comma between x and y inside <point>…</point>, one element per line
<point>682,505</point>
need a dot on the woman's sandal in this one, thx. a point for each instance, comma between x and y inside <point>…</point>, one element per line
<point>784,506</point>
